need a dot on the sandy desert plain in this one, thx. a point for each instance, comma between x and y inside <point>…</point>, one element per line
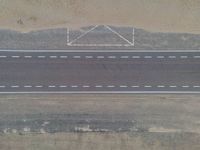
<point>153,15</point>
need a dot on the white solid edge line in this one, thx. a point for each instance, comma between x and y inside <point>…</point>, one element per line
<point>105,92</point>
<point>95,50</point>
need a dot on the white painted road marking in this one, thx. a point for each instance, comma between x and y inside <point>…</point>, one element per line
<point>3,56</point>
<point>124,57</point>
<point>196,56</point>
<point>74,86</point>
<point>108,57</point>
<point>62,86</point>
<point>112,57</point>
<point>51,86</point>
<point>86,86</point>
<point>98,86</point>
<point>148,86</point>
<point>123,86</point>
<point>172,86</point>
<point>53,56</point>
<point>101,86</point>
<point>135,86</point>
<point>76,57</point>
<point>196,86</point>
<point>160,86</point>
<point>148,57</point>
<point>39,86</point>
<point>15,86</point>
<point>185,86</point>
<point>172,57</point>
<point>137,57</point>
<point>28,56</point>
<point>88,57</point>
<point>100,57</point>
<point>100,51</point>
<point>15,56</point>
<point>183,57</point>
<point>160,57</point>
<point>28,86</point>
<point>41,56</point>
<point>110,86</point>
<point>64,57</point>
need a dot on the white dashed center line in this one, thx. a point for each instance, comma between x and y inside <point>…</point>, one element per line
<point>52,86</point>
<point>160,57</point>
<point>148,86</point>
<point>27,56</point>
<point>196,57</point>
<point>101,86</point>
<point>124,57</point>
<point>39,86</point>
<point>28,86</point>
<point>15,56</point>
<point>88,57</point>
<point>136,57</point>
<point>108,57</point>
<point>76,57</point>
<point>196,86</point>
<point>14,86</point>
<point>172,86</point>
<point>172,57</point>
<point>98,86</point>
<point>63,57</point>
<point>123,86</point>
<point>86,86</point>
<point>112,57</point>
<point>53,56</point>
<point>100,57</point>
<point>74,86</point>
<point>110,86</point>
<point>160,86</point>
<point>185,86</point>
<point>135,86</point>
<point>3,56</point>
<point>62,86</point>
<point>148,57</point>
<point>183,57</point>
<point>41,56</point>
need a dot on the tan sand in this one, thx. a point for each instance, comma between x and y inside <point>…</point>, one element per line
<point>152,15</point>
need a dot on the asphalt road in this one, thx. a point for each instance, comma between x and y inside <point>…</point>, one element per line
<point>99,72</point>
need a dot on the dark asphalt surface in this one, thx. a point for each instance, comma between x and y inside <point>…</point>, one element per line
<point>99,72</point>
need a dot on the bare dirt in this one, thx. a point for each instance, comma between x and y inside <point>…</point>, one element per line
<point>172,121</point>
<point>152,113</point>
<point>153,15</point>
<point>100,141</point>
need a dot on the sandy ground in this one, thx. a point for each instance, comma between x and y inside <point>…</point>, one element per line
<point>153,113</point>
<point>172,121</point>
<point>153,15</point>
<point>101,141</point>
